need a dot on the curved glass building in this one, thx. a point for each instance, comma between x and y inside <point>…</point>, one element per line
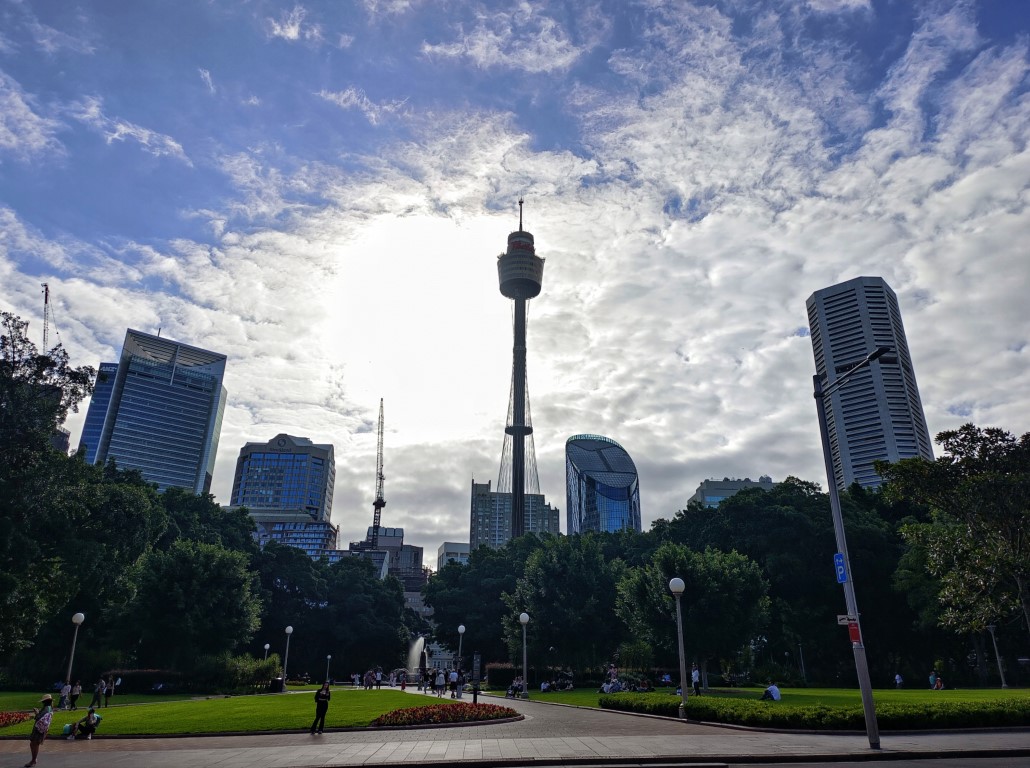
<point>602,488</point>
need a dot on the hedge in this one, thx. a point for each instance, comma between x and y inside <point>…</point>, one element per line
<point>768,714</point>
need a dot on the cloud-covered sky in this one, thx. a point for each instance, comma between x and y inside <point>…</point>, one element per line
<point>319,190</point>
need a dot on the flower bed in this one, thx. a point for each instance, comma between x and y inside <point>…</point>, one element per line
<point>436,714</point>
<point>12,718</point>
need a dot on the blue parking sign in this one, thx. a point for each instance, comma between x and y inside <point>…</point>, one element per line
<point>838,566</point>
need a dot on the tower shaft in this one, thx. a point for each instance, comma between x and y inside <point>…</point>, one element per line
<point>518,429</point>
<point>520,273</point>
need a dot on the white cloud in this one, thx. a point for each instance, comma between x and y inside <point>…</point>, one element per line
<point>24,133</point>
<point>90,112</point>
<point>290,26</point>
<point>52,40</point>
<point>354,98</point>
<point>524,38</point>
<point>205,75</point>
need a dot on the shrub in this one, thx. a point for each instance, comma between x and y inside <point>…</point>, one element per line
<point>435,714</point>
<point>889,716</point>
<point>500,675</point>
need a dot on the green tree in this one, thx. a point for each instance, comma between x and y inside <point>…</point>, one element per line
<point>725,603</point>
<point>198,517</point>
<point>472,595</point>
<point>193,600</point>
<point>37,389</point>
<point>568,589</point>
<point>977,540</point>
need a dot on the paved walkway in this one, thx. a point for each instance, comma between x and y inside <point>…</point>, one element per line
<point>549,735</point>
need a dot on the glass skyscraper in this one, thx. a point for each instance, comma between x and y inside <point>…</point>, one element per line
<point>287,485</point>
<point>877,414</point>
<point>164,412</point>
<point>93,427</point>
<point>288,474</point>
<point>602,488</point>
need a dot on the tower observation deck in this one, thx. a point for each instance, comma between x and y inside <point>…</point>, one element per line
<point>520,273</point>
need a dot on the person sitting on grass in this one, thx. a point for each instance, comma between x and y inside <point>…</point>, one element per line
<point>771,693</point>
<point>86,727</point>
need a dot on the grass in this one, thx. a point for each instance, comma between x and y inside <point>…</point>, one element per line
<point>292,711</point>
<point>829,697</point>
<point>12,701</point>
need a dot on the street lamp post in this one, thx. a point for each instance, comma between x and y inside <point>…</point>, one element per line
<point>844,573</point>
<point>78,618</point>
<point>286,660</point>
<point>267,646</point>
<point>524,620</point>
<point>327,660</point>
<point>676,586</point>
<point>1001,672</point>
<point>461,636</point>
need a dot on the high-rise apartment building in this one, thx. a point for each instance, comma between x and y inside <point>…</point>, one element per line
<point>877,414</point>
<point>164,412</point>
<point>491,521</point>
<point>601,485</point>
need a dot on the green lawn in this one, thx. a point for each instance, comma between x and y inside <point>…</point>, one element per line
<point>13,701</point>
<point>348,708</point>
<point>830,697</point>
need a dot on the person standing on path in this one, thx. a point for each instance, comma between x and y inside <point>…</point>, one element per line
<point>440,684</point>
<point>322,696</point>
<point>76,692</point>
<point>40,726</point>
<point>695,680</point>
<point>98,693</point>
<point>108,691</point>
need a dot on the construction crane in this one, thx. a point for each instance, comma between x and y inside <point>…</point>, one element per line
<point>380,502</point>
<point>46,316</point>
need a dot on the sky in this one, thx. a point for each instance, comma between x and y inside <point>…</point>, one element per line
<point>319,190</point>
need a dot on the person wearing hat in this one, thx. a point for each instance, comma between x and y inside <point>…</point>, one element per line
<point>40,726</point>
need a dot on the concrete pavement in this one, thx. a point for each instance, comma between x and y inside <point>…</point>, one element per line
<point>549,735</point>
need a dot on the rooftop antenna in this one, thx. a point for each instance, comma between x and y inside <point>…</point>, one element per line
<point>520,213</point>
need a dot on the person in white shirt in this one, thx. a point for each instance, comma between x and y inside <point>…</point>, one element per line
<point>772,692</point>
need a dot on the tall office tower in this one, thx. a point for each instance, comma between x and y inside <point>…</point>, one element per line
<point>601,485</point>
<point>711,493</point>
<point>877,414</point>
<point>93,426</point>
<point>520,273</point>
<point>165,412</point>
<point>287,485</point>
<point>287,474</point>
<point>491,516</point>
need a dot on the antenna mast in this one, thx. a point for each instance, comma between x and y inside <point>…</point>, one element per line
<point>46,315</point>
<point>380,502</point>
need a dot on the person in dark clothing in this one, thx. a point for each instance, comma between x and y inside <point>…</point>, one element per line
<point>322,696</point>
<point>98,693</point>
<point>109,691</point>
